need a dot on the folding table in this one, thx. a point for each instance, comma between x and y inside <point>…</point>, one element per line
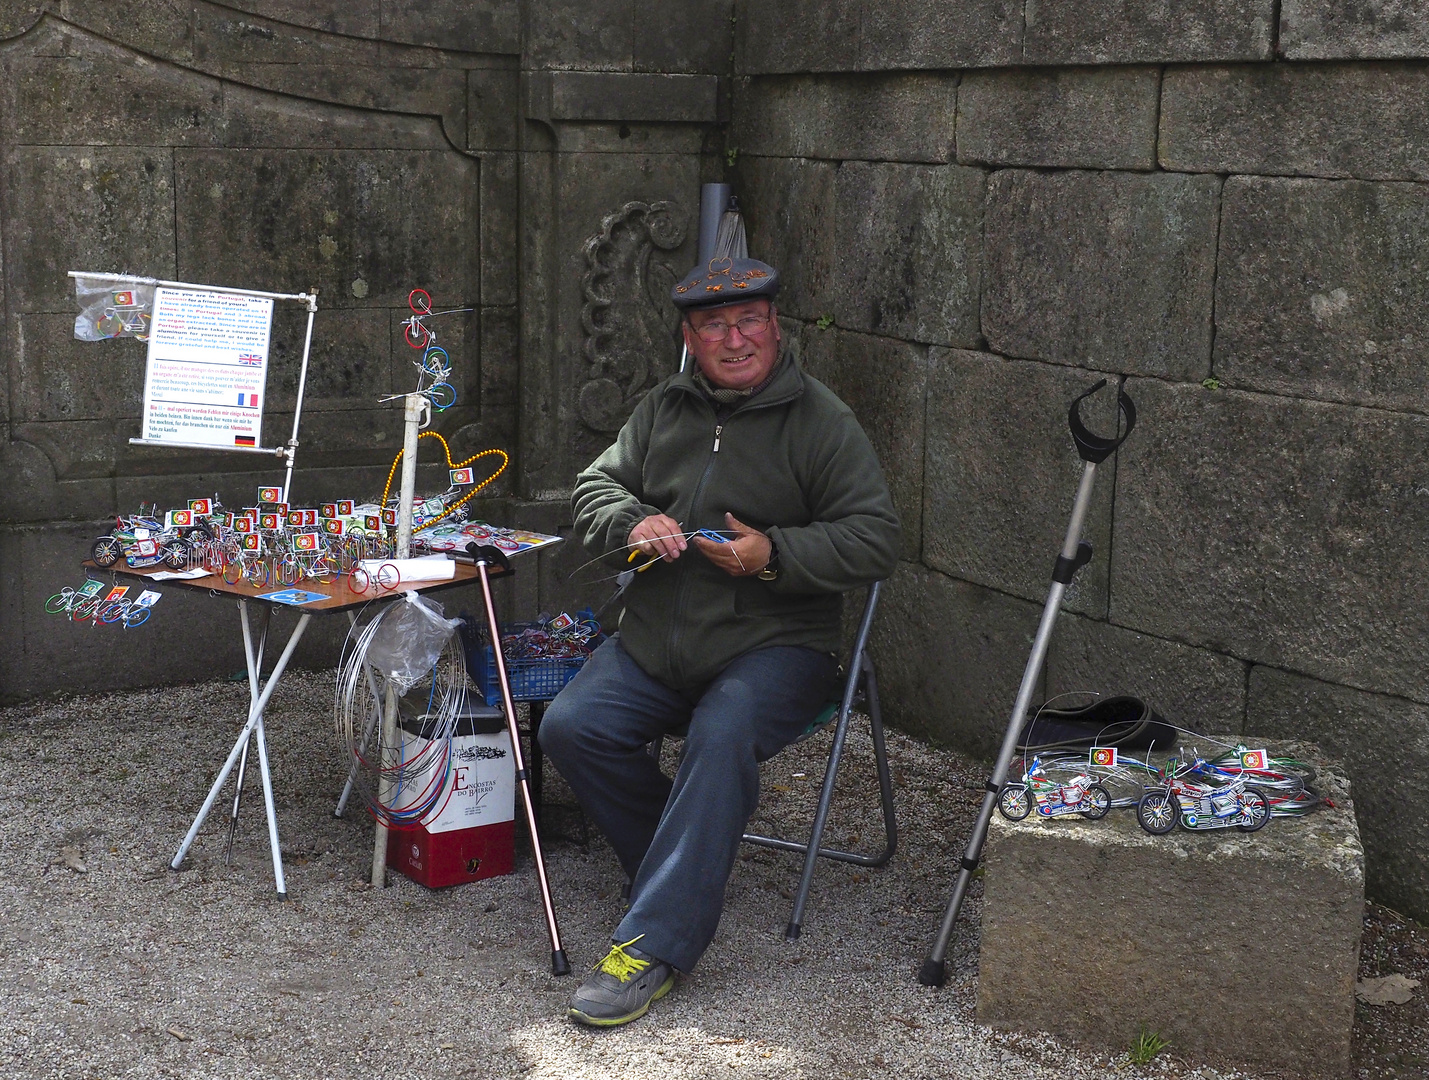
<point>339,597</point>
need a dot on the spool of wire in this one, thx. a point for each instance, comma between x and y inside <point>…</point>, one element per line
<point>405,781</point>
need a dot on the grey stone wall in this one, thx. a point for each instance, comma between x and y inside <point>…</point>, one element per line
<point>535,160</point>
<point>982,208</point>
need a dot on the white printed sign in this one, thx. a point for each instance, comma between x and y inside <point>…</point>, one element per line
<point>208,361</point>
<point>480,787</point>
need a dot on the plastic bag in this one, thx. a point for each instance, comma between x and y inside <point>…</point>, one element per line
<point>110,308</point>
<point>409,641</point>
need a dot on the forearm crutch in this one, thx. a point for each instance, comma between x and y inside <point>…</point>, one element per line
<point>1076,553</point>
<point>484,556</point>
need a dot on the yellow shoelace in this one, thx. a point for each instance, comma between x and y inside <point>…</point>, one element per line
<point>620,964</point>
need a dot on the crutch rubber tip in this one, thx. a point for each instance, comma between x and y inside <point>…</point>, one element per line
<point>559,964</point>
<point>282,896</point>
<point>933,973</point>
<point>792,931</point>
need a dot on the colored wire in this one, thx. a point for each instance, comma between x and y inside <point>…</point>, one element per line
<point>387,488</point>
<point>417,783</point>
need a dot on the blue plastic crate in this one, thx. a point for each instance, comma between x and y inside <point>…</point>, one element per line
<point>531,680</point>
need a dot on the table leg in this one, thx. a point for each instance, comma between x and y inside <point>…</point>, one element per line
<point>255,670</point>
<point>255,716</point>
<point>272,811</point>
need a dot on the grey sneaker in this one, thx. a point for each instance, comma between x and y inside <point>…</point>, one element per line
<point>621,987</point>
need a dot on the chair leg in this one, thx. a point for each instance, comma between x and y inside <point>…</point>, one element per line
<point>880,758</point>
<point>821,817</point>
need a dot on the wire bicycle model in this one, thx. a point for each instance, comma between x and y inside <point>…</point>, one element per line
<point>1080,794</point>
<point>1198,806</point>
<point>435,370</point>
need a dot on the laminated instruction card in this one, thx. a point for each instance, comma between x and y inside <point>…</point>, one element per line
<point>208,362</point>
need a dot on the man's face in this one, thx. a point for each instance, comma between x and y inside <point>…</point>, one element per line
<point>737,360</point>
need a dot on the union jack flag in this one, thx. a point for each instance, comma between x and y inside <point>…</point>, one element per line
<point>250,360</point>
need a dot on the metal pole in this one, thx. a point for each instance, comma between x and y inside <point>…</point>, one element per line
<point>136,280</point>
<point>411,426</point>
<point>292,451</point>
<point>559,964</point>
<point>713,199</point>
<point>933,972</point>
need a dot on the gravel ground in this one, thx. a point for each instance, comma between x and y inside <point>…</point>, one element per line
<point>111,965</point>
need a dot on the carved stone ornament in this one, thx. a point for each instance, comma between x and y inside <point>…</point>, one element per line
<point>631,328</point>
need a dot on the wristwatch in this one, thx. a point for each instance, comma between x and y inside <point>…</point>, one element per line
<point>771,568</point>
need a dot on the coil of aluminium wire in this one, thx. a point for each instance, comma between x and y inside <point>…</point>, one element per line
<point>404,782</point>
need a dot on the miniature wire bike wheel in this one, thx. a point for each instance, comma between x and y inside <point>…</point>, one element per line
<point>442,395</point>
<point>420,301</point>
<point>61,602</point>
<point>1157,812</point>
<point>106,551</point>
<point>1015,801</point>
<point>436,362</point>
<point>388,577</point>
<point>416,334</point>
<point>1100,800</point>
<point>176,555</point>
<point>137,618</point>
<point>358,580</point>
<point>1255,807</point>
<point>86,609</point>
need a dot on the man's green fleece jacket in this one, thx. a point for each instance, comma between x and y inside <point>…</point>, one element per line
<point>792,462</point>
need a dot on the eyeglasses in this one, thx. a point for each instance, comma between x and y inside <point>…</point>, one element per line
<point>749,326</point>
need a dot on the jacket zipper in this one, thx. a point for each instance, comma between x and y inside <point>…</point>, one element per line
<point>683,588</point>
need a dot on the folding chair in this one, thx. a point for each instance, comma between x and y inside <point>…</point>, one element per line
<point>860,689</point>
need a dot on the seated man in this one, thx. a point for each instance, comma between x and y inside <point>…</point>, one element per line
<point>738,639</point>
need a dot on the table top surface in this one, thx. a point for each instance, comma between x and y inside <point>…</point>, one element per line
<point>337,593</point>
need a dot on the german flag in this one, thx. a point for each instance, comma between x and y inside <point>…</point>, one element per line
<point>244,440</point>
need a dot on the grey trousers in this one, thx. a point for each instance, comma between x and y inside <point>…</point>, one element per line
<point>677,839</point>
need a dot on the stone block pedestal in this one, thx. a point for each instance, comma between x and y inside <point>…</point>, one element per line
<point>1238,948</point>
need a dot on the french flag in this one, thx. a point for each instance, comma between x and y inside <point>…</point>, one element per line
<point>249,401</point>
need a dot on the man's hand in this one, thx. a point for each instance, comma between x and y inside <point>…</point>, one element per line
<point>659,536</point>
<point>748,553</point>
